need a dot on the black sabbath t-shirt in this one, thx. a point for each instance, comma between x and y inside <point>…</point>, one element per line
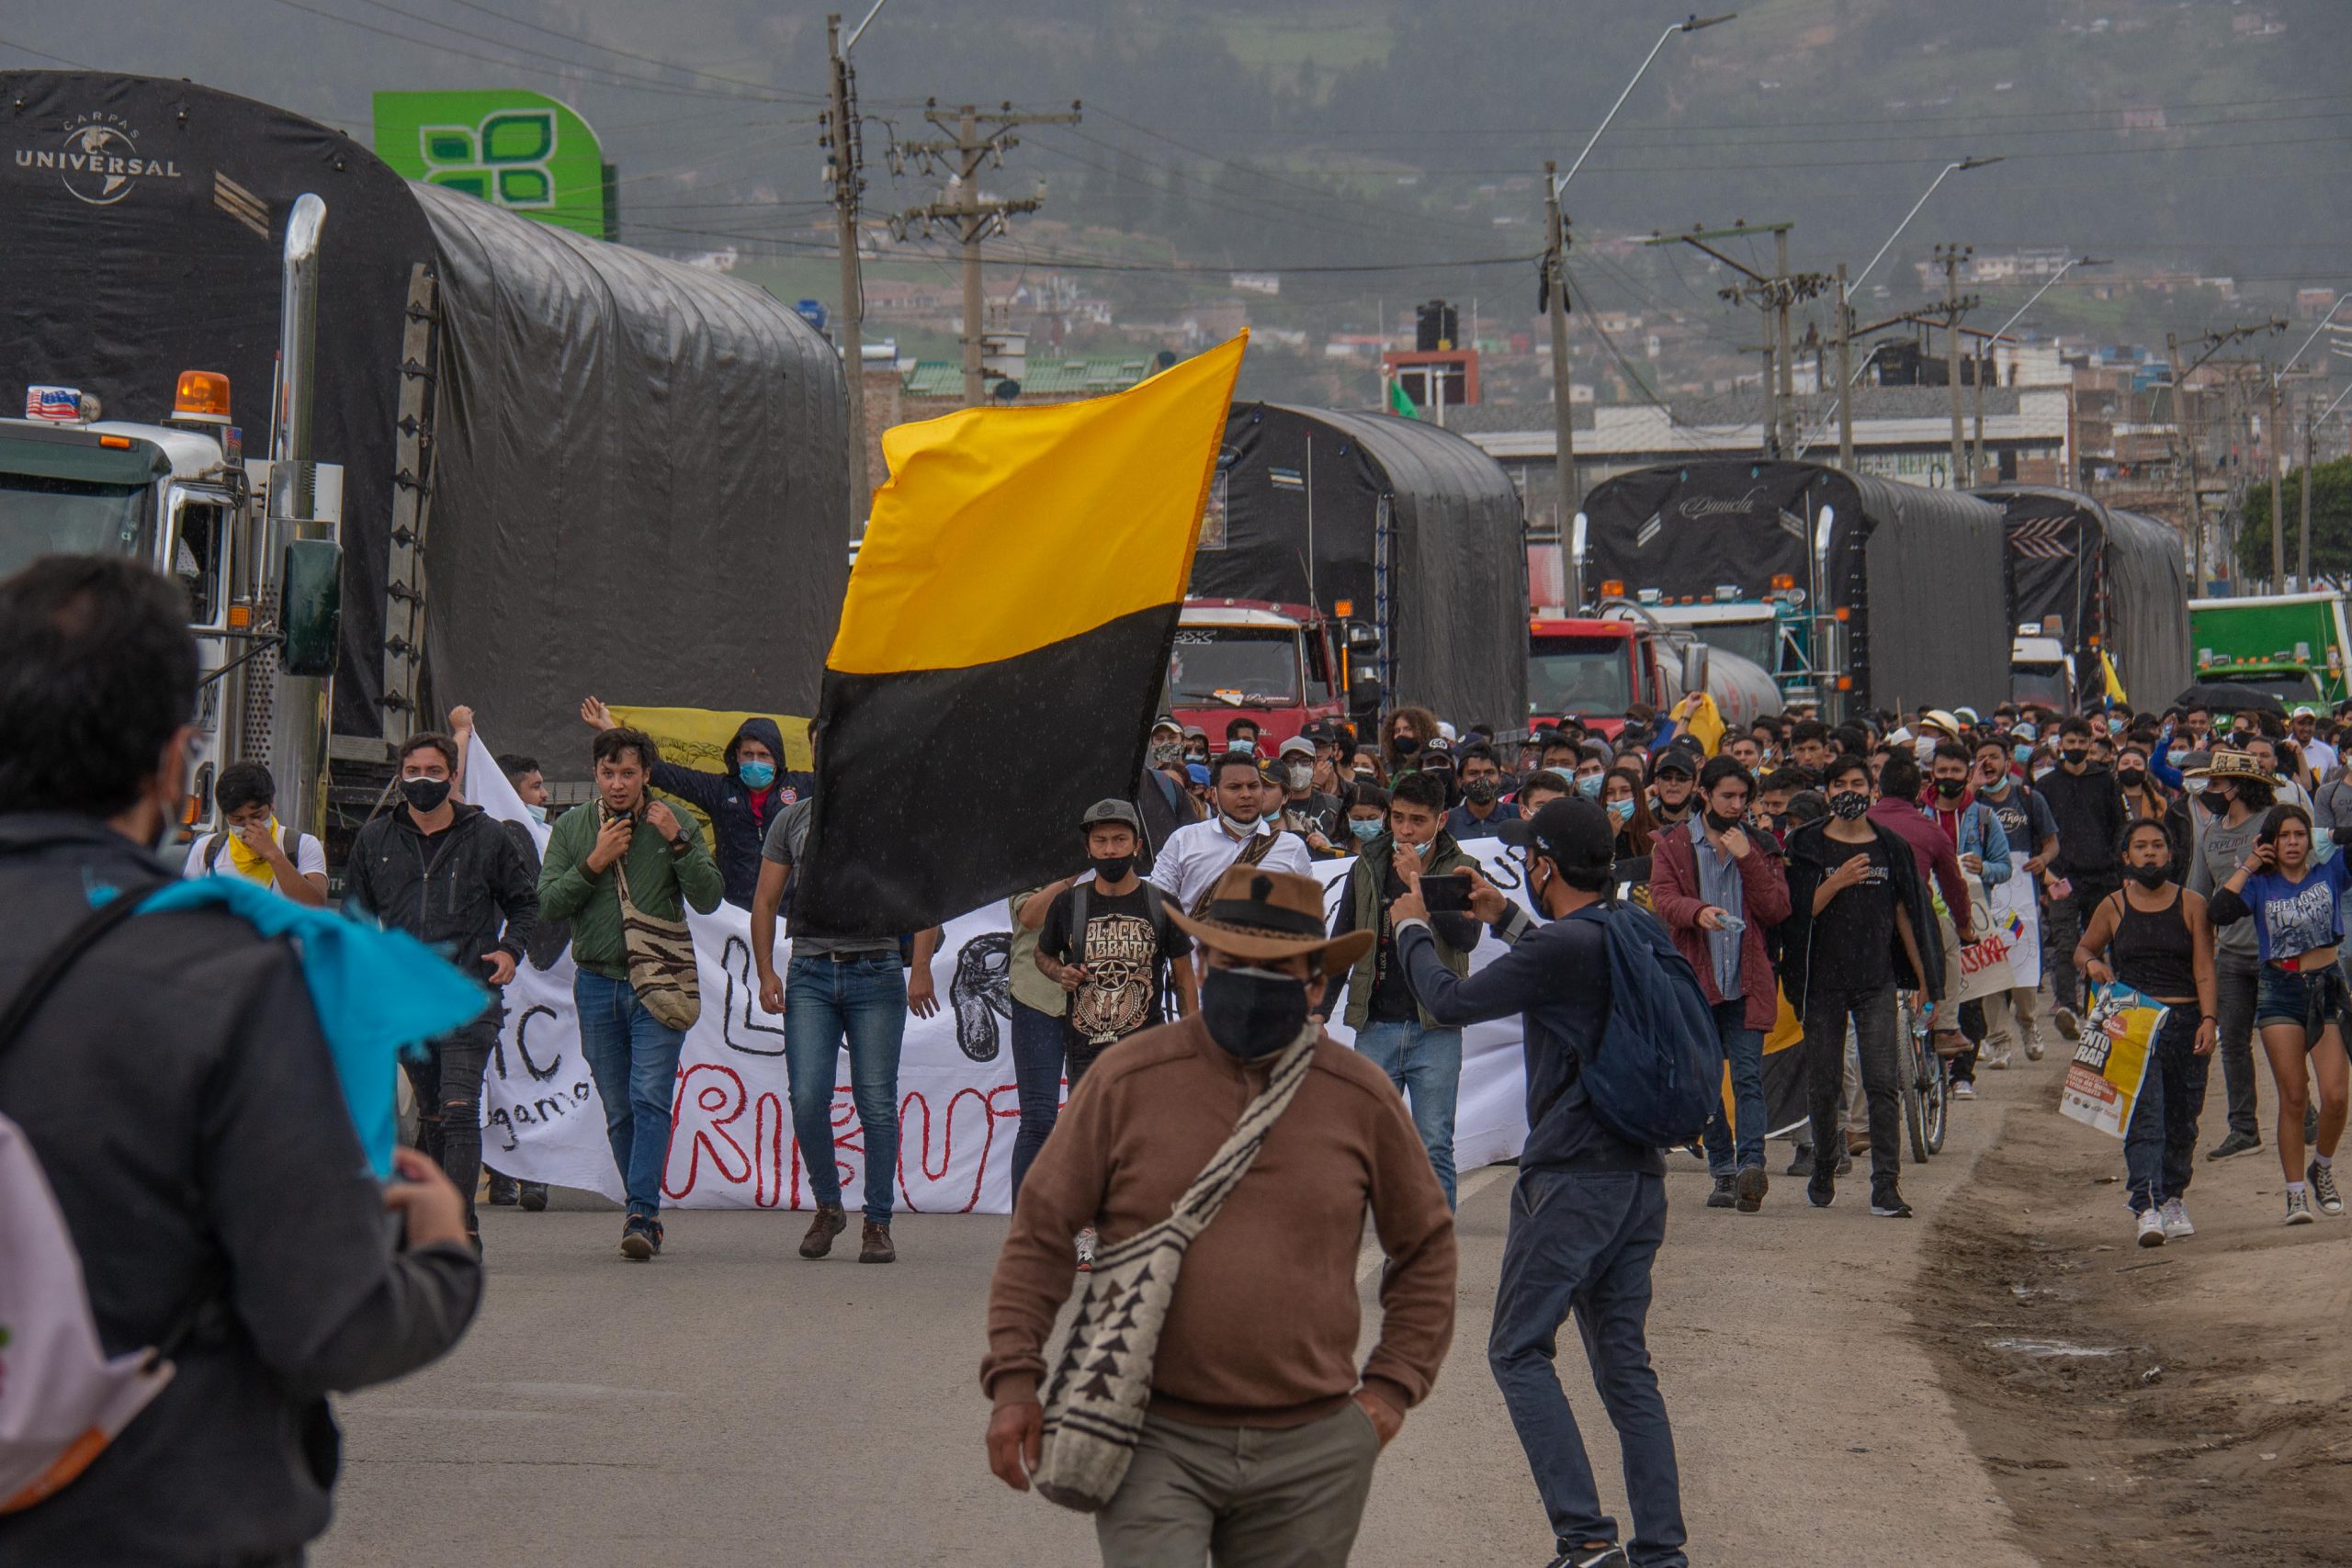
<point>1126,962</point>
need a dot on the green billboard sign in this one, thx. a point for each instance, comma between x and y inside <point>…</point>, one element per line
<point>513,148</point>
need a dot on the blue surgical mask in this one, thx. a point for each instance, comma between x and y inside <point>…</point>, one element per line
<point>1590,785</point>
<point>1622,810</point>
<point>2022,753</point>
<point>539,814</point>
<point>756,775</point>
<point>1364,828</point>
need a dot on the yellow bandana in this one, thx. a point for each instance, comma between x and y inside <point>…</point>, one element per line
<point>249,864</point>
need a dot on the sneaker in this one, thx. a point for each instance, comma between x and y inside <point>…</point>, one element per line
<point>1086,1240</point>
<point>828,1222</point>
<point>2299,1208</point>
<point>1748,1189</point>
<point>2151,1228</point>
<point>639,1239</point>
<point>2175,1217</point>
<point>2322,1184</point>
<point>2033,1051</point>
<point>1612,1556</point>
<point>2069,1026</point>
<point>1821,1191</point>
<point>1963,1089</point>
<point>1998,1064</point>
<point>502,1193</point>
<point>533,1196</point>
<point>1722,1197</point>
<point>874,1244</point>
<point>2235,1145</point>
<point>1887,1203</point>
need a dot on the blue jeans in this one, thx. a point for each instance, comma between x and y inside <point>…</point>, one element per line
<point>1037,1069</point>
<point>864,1002</point>
<point>1583,1242</point>
<point>2160,1144</point>
<point>1426,1066</point>
<point>1743,1047</point>
<point>634,1059</point>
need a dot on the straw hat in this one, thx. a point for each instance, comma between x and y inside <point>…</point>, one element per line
<point>1259,914</point>
<point>2226,764</point>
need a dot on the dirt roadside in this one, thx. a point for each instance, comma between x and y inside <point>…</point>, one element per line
<point>2173,1406</point>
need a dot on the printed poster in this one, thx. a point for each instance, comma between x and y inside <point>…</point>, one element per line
<point>2111,1059</point>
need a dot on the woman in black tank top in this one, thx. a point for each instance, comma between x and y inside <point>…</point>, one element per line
<point>2153,937</point>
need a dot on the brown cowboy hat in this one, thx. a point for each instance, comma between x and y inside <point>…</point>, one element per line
<point>1257,914</point>
<point>2228,764</point>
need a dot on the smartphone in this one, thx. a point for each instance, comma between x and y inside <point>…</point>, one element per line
<point>1446,895</point>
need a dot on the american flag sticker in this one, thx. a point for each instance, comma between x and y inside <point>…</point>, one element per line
<point>52,402</point>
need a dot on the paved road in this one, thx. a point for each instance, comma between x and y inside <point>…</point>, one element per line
<point>733,1404</point>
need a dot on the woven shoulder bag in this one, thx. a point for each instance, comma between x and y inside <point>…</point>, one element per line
<point>660,961</point>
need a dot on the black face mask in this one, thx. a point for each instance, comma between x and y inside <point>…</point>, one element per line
<point>1252,1012</point>
<point>2073,759</point>
<point>1721,824</point>
<point>1113,868</point>
<point>1849,804</point>
<point>425,795</point>
<point>2149,876</point>
<point>1482,791</point>
<point>1951,789</point>
<point>1406,745</point>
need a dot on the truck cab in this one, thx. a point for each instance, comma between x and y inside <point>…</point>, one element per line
<point>2041,669</point>
<point>1279,665</point>
<point>1593,669</point>
<point>1773,633</point>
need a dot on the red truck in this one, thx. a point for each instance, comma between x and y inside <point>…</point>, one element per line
<point>1593,670</point>
<point>1279,665</point>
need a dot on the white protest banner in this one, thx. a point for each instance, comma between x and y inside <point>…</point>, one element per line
<point>732,1144</point>
<point>1974,970</point>
<point>2111,1059</point>
<point>2017,916</point>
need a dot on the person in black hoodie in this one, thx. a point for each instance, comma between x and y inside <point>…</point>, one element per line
<point>449,876</point>
<point>748,793</point>
<point>2088,808</point>
<point>1858,908</point>
<point>178,1090</point>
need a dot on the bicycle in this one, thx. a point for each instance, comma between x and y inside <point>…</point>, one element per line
<point>1927,1086</point>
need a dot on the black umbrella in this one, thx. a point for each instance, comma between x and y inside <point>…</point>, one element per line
<point>2225,696</point>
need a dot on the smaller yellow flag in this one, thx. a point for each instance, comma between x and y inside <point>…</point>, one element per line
<point>2114,681</point>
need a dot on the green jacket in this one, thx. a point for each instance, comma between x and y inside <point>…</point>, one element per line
<point>657,875</point>
<point>1364,908</point>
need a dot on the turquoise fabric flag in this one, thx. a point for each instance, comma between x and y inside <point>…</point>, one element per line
<point>378,992</point>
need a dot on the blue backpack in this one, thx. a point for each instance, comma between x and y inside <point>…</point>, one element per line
<point>1657,1076</point>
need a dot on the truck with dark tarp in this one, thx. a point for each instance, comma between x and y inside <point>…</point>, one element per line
<point>1408,539</point>
<point>2088,579</point>
<point>566,466</point>
<point>1858,592</point>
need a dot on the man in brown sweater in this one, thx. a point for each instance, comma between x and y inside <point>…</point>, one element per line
<point>1261,1433</point>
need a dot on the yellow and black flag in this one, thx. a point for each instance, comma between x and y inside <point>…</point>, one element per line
<point>1003,644</point>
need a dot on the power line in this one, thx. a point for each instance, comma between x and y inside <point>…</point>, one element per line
<point>609,49</point>
<point>44,54</point>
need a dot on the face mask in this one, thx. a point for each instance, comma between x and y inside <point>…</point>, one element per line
<point>1165,754</point>
<point>1301,775</point>
<point>2149,876</point>
<point>1366,829</point>
<point>1589,786</point>
<point>755,775</point>
<point>2129,772</point>
<point>2073,759</point>
<point>1247,748</point>
<point>539,814</point>
<point>1114,868</point>
<point>2176,755</point>
<point>2024,754</point>
<point>1406,745</point>
<point>1721,824</point>
<point>1847,804</point>
<point>1923,747</point>
<point>1951,789</point>
<point>1236,824</point>
<point>1423,849</point>
<point>1622,810</point>
<point>425,795</point>
<point>1482,792</point>
<point>1252,1012</point>
<point>1196,756</point>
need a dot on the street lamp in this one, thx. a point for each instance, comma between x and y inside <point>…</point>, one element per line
<point>2079,261</point>
<point>1842,410</point>
<point>1555,279</point>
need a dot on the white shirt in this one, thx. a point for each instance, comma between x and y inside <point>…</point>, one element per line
<point>310,857</point>
<point>1196,854</point>
<point>2320,756</point>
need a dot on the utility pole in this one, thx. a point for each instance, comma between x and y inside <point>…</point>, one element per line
<point>1775,293</point>
<point>1845,374</point>
<point>979,137</point>
<point>1951,256</point>
<point>1976,451</point>
<point>1555,306</point>
<point>2195,510</point>
<point>2274,455</point>
<point>843,168</point>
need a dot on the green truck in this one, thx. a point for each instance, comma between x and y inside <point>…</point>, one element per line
<point>2291,644</point>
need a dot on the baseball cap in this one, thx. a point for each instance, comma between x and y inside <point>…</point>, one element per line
<point>1572,832</point>
<point>1296,746</point>
<point>1113,811</point>
<point>1165,721</point>
<point>1678,759</point>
